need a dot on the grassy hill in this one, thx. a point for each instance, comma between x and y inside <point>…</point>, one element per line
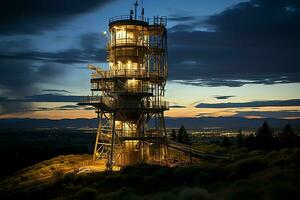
<point>252,175</point>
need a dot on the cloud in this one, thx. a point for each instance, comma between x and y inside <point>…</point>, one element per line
<point>54,90</point>
<point>269,114</point>
<point>44,98</point>
<point>52,98</point>
<point>223,97</point>
<point>90,49</point>
<point>24,104</point>
<point>21,77</point>
<point>23,70</point>
<point>181,18</point>
<point>35,17</point>
<point>68,107</point>
<point>177,106</point>
<point>291,102</point>
<point>9,107</point>
<point>254,42</point>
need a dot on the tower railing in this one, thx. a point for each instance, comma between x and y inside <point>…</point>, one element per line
<point>128,73</point>
<point>151,21</point>
<point>111,103</point>
<point>128,42</point>
<point>99,86</point>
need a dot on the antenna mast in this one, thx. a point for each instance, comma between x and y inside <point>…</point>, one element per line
<point>135,10</point>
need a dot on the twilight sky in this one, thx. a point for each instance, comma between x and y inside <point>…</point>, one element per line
<point>226,57</point>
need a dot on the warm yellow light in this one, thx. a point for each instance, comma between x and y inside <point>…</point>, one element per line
<point>118,124</point>
<point>129,64</point>
<point>121,34</point>
<point>119,64</point>
<point>132,83</point>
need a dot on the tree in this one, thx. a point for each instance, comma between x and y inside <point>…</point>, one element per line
<point>226,142</point>
<point>174,135</point>
<point>183,136</point>
<point>288,137</point>
<point>264,137</point>
<point>288,131</point>
<point>240,138</point>
<point>250,142</point>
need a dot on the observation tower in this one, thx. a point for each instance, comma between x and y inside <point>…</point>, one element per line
<point>129,97</point>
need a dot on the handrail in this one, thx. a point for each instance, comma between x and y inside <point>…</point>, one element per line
<point>128,17</point>
<point>110,102</point>
<point>128,73</point>
<point>195,152</point>
<point>127,88</point>
<point>151,21</point>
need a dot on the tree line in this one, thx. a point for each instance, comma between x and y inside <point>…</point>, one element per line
<point>265,139</point>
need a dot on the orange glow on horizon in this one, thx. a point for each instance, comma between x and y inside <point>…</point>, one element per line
<point>188,111</point>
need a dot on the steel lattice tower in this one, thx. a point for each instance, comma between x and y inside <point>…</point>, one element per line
<point>129,97</point>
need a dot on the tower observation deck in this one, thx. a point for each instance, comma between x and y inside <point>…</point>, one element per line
<point>129,96</point>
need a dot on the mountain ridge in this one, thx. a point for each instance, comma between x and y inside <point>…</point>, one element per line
<point>200,122</point>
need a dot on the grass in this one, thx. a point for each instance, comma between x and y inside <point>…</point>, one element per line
<point>252,175</point>
<point>47,169</point>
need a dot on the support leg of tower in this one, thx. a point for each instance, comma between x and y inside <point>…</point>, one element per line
<point>97,139</point>
<point>111,157</point>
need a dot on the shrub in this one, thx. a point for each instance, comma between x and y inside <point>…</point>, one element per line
<point>283,191</point>
<point>245,168</point>
<point>245,192</point>
<point>58,174</point>
<point>195,194</point>
<point>295,157</point>
<point>86,193</point>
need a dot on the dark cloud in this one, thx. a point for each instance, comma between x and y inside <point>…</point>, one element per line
<point>52,98</point>
<point>23,69</point>
<point>177,106</point>
<point>91,49</point>
<point>21,106</point>
<point>74,107</point>
<point>181,18</point>
<point>223,97</point>
<point>36,16</point>
<point>17,107</point>
<point>24,104</point>
<point>65,107</point>
<point>68,107</point>
<point>21,77</point>
<point>54,90</point>
<point>44,98</point>
<point>291,102</point>
<point>269,114</point>
<point>253,42</point>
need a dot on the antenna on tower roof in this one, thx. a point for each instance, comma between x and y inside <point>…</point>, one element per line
<point>135,9</point>
<point>131,13</point>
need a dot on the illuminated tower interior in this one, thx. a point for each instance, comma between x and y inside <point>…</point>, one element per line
<point>129,96</point>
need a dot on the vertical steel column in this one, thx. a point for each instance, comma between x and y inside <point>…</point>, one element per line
<point>97,139</point>
<point>112,141</point>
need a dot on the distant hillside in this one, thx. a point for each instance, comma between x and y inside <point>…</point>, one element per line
<point>228,122</point>
<point>201,122</point>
